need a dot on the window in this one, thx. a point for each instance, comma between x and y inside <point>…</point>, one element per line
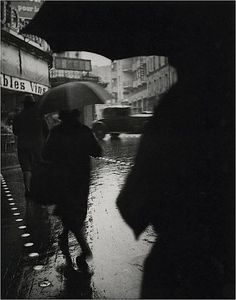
<point>166,81</point>
<point>155,86</point>
<point>160,83</point>
<point>156,62</point>
<point>162,61</point>
<point>151,64</point>
<point>114,66</point>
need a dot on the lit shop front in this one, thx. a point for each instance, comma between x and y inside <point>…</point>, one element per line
<point>25,62</point>
<point>24,70</point>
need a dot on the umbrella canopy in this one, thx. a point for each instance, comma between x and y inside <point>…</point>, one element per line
<point>73,95</point>
<point>123,29</point>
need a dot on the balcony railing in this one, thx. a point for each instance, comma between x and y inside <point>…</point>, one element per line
<point>54,73</point>
<point>127,68</point>
<point>139,82</point>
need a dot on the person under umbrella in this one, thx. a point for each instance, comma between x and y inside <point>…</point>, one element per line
<point>31,130</point>
<point>182,181</point>
<point>70,146</point>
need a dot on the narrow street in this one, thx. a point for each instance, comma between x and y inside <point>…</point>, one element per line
<point>117,266</point>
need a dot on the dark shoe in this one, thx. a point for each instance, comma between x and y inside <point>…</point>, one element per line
<point>81,263</point>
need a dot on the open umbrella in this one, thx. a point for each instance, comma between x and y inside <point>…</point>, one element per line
<point>73,95</point>
<point>122,29</point>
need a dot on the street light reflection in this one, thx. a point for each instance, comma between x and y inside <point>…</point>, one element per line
<point>38,267</point>
<point>33,254</point>
<point>22,227</point>
<point>28,244</point>
<point>25,235</point>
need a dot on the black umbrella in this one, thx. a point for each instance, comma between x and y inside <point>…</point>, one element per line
<point>131,28</point>
<point>73,95</point>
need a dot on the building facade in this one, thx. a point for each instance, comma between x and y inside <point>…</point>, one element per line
<point>25,64</point>
<point>141,81</point>
<point>104,75</point>
<point>160,77</point>
<point>69,67</point>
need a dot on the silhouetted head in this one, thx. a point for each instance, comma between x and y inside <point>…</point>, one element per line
<point>29,101</point>
<point>69,116</point>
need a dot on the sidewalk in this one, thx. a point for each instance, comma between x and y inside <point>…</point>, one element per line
<point>32,264</point>
<point>118,258</point>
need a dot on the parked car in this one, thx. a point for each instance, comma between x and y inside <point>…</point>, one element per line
<point>118,119</point>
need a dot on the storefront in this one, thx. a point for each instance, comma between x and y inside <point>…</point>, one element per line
<point>24,69</point>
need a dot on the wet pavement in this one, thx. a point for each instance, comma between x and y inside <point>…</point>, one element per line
<point>33,266</point>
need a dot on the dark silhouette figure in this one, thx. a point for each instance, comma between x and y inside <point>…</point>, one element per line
<point>182,181</point>
<point>70,146</point>
<point>31,130</point>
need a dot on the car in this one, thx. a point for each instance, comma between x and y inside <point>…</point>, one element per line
<point>118,119</point>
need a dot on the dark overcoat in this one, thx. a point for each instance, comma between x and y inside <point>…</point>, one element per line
<point>69,147</point>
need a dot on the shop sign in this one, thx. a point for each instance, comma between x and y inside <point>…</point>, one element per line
<point>9,15</point>
<point>22,85</point>
<point>15,16</point>
<point>27,9</point>
<point>76,64</point>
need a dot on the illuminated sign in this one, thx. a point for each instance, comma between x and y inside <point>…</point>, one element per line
<point>27,9</point>
<point>22,85</point>
<point>9,15</point>
<point>17,14</point>
<point>64,63</point>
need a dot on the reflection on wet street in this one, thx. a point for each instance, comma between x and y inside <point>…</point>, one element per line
<point>117,265</point>
<point>122,148</point>
<point>118,257</point>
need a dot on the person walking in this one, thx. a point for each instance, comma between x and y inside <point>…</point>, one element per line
<point>31,130</point>
<point>182,181</point>
<point>70,146</point>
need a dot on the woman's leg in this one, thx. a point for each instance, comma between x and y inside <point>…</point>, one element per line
<point>27,175</point>
<point>64,244</point>
<point>86,252</point>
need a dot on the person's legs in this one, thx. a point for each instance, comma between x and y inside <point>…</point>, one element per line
<point>24,157</point>
<point>64,244</point>
<point>27,175</point>
<point>86,252</point>
<point>63,240</point>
